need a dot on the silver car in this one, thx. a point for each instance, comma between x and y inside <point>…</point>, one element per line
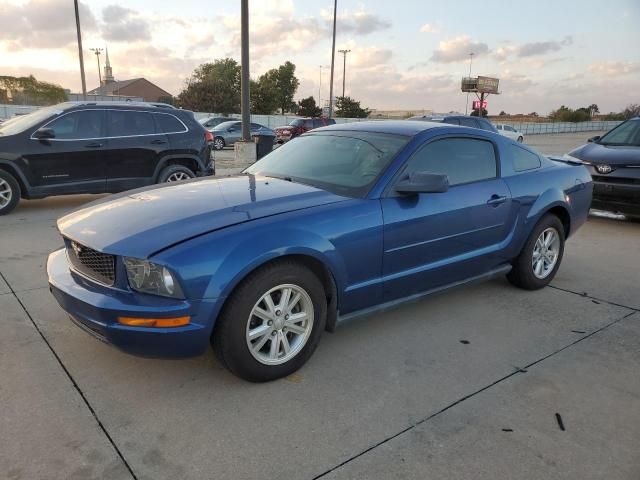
<point>509,131</point>
<point>228,133</point>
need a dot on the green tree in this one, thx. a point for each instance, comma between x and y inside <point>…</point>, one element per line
<point>264,95</point>
<point>286,85</point>
<point>566,114</point>
<point>347,107</point>
<point>29,91</point>
<point>307,108</point>
<point>502,113</point>
<point>213,87</point>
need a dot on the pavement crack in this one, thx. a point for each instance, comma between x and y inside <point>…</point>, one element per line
<point>471,395</point>
<point>595,300</point>
<point>70,377</point>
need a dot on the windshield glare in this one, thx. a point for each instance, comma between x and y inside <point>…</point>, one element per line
<point>24,122</point>
<point>347,163</point>
<point>627,133</point>
<point>296,123</point>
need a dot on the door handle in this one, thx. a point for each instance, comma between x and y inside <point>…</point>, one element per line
<point>158,142</point>
<point>496,200</point>
<point>93,145</point>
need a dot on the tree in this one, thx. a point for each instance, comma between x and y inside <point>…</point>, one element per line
<point>347,107</point>
<point>474,113</point>
<point>307,108</point>
<point>533,114</point>
<point>286,85</point>
<point>503,113</point>
<point>632,110</point>
<point>264,95</point>
<point>29,91</point>
<point>566,114</point>
<point>213,87</point>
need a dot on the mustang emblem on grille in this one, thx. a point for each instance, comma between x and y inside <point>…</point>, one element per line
<point>604,168</point>
<point>76,248</point>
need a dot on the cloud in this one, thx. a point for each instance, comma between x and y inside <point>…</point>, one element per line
<point>42,24</point>
<point>614,68</point>
<point>458,49</point>
<point>428,28</point>
<point>122,24</point>
<point>370,57</point>
<point>359,22</point>
<point>541,48</point>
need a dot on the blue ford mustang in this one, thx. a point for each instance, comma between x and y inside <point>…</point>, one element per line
<point>341,221</point>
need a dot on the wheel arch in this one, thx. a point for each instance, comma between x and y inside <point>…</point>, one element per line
<point>17,174</point>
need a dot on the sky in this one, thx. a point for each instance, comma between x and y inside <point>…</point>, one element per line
<point>405,54</point>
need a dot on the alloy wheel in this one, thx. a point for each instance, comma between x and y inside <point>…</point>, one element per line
<point>177,176</point>
<point>280,324</point>
<point>5,193</point>
<point>218,143</point>
<point>545,253</point>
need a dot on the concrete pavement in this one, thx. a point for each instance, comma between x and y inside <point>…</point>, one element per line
<point>422,391</point>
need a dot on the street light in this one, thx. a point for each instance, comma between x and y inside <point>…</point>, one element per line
<point>80,57</point>
<point>98,51</point>
<point>320,85</point>
<point>333,57</point>
<point>344,68</point>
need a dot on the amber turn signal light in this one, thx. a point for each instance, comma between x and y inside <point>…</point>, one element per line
<point>154,322</point>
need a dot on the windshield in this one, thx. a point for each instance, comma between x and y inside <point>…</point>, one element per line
<point>346,163</point>
<point>24,122</point>
<point>297,123</point>
<point>626,134</point>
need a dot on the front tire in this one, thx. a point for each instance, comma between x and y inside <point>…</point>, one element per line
<point>541,255</point>
<point>520,139</point>
<point>9,192</point>
<point>175,173</point>
<point>272,322</point>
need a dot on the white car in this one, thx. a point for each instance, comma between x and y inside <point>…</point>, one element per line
<point>509,131</point>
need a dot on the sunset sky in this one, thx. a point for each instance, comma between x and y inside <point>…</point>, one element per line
<point>405,54</point>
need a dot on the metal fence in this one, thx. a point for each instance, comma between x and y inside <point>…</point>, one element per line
<point>528,128</point>
<point>273,121</point>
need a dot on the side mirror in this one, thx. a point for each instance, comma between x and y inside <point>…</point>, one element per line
<point>44,133</point>
<point>593,139</point>
<point>423,182</point>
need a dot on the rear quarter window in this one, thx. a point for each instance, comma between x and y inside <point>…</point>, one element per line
<point>523,159</point>
<point>169,123</point>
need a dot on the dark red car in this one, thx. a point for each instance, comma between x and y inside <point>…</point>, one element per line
<point>299,126</point>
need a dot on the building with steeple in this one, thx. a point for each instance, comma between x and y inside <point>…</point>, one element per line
<point>134,88</point>
<point>107,77</point>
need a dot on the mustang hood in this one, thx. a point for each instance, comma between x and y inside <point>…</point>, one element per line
<point>139,223</point>
<point>612,155</point>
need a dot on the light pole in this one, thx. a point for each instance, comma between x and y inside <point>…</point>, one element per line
<point>333,57</point>
<point>98,51</point>
<point>344,68</point>
<point>466,106</point>
<point>320,85</point>
<point>80,57</point>
<point>244,82</point>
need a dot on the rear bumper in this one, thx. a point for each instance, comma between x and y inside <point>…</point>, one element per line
<point>96,309</point>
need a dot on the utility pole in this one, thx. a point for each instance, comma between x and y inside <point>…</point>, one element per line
<point>244,83</point>
<point>320,85</point>
<point>98,51</point>
<point>466,106</point>
<point>84,83</point>
<point>333,57</point>
<point>344,68</point>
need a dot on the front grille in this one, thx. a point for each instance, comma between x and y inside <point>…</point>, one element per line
<point>618,180</point>
<point>95,265</point>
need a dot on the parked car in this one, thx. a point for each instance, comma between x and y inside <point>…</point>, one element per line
<point>228,133</point>
<point>613,160</point>
<point>344,220</point>
<point>211,122</point>
<point>463,120</point>
<point>299,126</point>
<point>98,147</point>
<point>509,131</point>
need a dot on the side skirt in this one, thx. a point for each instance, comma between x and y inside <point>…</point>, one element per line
<point>503,270</point>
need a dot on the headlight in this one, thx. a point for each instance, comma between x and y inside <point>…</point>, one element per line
<point>148,277</point>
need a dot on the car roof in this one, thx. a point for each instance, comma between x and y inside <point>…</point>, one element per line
<point>129,105</point>
<point>397,127</point>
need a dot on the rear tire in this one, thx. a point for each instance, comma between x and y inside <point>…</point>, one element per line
<point>538,263</point>
<point>520,139</point>
<point>219,143</point>
<point>175,173</point>
<point>9,192</point>
<point>244,341</point>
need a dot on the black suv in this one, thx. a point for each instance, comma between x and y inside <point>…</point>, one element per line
<point>464,120</point>
<point>99,147</point>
